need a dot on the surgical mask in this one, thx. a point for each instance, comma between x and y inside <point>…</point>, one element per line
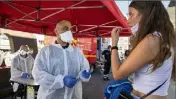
<point>135,28</point>
<point>66,36</point>
<point>22,52</point>
<point>30,52</point>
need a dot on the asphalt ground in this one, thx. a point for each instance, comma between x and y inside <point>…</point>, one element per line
<point>95,87</point>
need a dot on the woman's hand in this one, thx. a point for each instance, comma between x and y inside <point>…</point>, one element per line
<point>115,35</point>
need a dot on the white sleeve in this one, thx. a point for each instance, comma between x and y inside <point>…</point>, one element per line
<point>40,74</point>
<point>15,71</point>
<point>32,61</point>
<point>31,65</point>
<point>84,66</point>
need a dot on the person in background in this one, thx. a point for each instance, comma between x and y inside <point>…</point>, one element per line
<point>60,68</point>
<point>127,52</point>
<point>107,65</point>
<point>152,55</point>
<point>21,65</point>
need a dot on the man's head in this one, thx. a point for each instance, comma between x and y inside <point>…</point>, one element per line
<point>24,49</point>
<point>63,32</point>
<point>109,47</point>
<point>62,26</point>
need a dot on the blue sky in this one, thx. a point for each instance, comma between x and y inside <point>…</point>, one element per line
<point>123,5</point>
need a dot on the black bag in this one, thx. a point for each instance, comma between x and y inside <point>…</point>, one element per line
<point>124,95</point>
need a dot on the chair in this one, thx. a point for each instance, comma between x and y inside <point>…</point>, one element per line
<point>19,92</point>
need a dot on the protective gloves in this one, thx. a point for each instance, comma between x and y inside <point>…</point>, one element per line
<point>70,81</point>
<point>25,75</point>
<point>86,74</point>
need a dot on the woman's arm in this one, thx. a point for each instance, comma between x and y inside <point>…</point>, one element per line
<point>144,53</point>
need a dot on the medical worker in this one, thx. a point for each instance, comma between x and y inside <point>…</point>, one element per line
<point>59,68</point>
<point>21,65</point>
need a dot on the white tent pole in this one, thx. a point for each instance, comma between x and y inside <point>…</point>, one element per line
<point>21,17</point>
<point>62,10</point>
<point>97,26</point>
<point>86,25</point>
<point>84,7</point>
<point>17,9</point>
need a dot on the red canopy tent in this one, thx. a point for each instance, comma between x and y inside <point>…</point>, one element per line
<point>89,18</point>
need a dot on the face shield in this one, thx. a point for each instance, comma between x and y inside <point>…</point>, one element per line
<point>24,50</point>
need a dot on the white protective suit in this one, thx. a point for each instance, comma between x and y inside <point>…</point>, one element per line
<point>52,64</point>
<point>20,65</point>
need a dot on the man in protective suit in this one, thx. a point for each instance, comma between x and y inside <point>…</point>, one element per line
<point>21,66</point>
<point>60,67</point>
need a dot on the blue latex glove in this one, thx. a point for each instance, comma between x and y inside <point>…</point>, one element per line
<point>25,75</point>
<point>70,81</point>
<point>86,74</point>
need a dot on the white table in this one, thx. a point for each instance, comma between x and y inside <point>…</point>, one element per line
<point>25,82</point>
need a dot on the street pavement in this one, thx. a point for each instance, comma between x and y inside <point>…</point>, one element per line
<point>95,87</point>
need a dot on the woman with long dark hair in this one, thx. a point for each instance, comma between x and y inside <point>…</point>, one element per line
<point>152,55</point>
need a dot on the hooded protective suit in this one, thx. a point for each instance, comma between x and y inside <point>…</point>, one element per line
<point>20,65</point>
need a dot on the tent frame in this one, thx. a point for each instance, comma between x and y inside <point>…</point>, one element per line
<point>59,10</point>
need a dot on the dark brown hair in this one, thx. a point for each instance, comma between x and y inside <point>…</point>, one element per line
<point>154,18</point>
